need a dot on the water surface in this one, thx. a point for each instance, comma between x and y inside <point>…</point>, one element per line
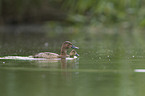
<point>106,66</point>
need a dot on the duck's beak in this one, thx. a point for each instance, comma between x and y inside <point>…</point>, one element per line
<point>77,55</point>
<point>74,47</point>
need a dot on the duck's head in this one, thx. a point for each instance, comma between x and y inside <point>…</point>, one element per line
<point>68,44</point>
<point>73,53</point>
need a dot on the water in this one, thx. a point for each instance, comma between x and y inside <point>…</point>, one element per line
<point>107,64</point>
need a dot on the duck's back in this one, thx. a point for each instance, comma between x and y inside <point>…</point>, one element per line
<point>46,55</point>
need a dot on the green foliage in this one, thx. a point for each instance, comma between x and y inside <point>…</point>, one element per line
<point>105,11</point>
<point>78,11</point>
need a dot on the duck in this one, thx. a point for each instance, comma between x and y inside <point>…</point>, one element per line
<point>65,46</point>
<point>73,53</point>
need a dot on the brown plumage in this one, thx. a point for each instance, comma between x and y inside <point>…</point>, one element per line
<point>65,46</point>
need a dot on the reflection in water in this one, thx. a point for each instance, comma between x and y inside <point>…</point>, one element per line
<point>38,83</point>
<point>64,66</point>
<point>55,63</point>
<point>69,64</point>
<point>73,64</point>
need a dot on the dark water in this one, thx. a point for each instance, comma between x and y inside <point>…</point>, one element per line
<point>106,66</point>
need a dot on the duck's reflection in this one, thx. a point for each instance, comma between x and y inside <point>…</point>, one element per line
<point>66,67</point>
<point>62,64</point>
<point>69,64</point>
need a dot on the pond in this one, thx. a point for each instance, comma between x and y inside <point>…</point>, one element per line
<point>106,66</point>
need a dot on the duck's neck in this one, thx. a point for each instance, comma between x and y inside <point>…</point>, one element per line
<point>63,53</point>
<point>63,50</point>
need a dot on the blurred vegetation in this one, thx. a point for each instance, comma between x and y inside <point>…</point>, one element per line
<point>73,11</point>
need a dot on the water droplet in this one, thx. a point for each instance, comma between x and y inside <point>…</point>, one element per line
<point>3,62</point>
<point>108,56</point>
<point>133,56</point>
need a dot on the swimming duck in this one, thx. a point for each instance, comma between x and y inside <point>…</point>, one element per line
<point>65,46</point>
<point>73,53</point>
